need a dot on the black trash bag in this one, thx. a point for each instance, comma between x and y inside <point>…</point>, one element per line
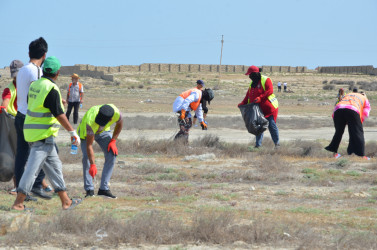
<point>8,145</point>
<point>254,119</point>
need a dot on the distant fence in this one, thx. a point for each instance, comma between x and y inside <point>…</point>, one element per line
<point>367,69</point>
<point>106,73</point>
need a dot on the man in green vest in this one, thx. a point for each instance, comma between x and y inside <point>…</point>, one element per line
<point>95,126</point>
<point>45,114</point>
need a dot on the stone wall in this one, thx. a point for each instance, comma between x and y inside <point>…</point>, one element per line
<point>366,69</point>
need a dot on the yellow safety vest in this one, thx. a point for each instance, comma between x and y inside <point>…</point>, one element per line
<point>13,91</point>
<point>272,98</point>
<point>40,123</point>
<point>90,117</point>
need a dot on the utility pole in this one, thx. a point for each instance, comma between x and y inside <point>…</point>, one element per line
<point>221,55</point>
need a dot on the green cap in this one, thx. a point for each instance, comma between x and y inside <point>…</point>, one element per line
<point>51,65</point>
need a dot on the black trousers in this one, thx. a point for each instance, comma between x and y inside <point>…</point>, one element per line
<point>343,117</point>
<point>76,106</point>
<point>22,154</point>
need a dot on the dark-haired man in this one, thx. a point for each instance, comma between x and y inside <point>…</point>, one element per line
<point>26,75</point>
<point>95,126</point>
<point>44,116</point>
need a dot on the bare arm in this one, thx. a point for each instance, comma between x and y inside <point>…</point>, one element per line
<point>5,103</point>
<point>64,122</point>
<point>82,97</point>
<point>118,128</point>
<point>89,148</point>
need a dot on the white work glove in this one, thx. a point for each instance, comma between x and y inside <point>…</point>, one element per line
<point>75,139</point>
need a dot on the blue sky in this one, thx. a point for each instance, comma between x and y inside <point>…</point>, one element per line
<point>264,32</point>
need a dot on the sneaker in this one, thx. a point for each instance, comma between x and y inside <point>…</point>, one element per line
<point>366,158</point>
<point>30,198</point>
<point>337,155</point>
<point>277,146</point>
<point>89,193</point>
<point>106,193</point>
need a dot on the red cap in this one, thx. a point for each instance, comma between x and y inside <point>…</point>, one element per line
<point>252,69</point>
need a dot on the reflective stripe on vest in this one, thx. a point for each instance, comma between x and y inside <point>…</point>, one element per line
<point>90,117</point>
<point>193,105</point>
<point>272,98</point>
<point>39,122</point>
<point>37,114</point>
<point>13,92</point>
<point>355,99</point>
<point>41,126</point>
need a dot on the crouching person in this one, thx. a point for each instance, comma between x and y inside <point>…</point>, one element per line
<point>183,104</point>
<point>95,126</point>
<point>45,112</point>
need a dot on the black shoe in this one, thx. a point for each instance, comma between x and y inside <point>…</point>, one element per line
<point>89,193</point>
<point>41,193</point>
<point>106,193</point>
<point>30,198</point>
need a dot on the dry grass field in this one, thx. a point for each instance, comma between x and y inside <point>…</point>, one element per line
<point>218,192</point>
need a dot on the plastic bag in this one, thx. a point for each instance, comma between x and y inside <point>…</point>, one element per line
<point>8,145</point>
<point>254,119</point>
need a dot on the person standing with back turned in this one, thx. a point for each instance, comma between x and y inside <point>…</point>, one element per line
<point>44,116</point>
<point>26,75</point>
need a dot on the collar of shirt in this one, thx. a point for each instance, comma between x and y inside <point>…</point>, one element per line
<point>48,78</point>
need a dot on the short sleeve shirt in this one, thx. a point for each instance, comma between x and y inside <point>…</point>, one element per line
<point>26,75</point>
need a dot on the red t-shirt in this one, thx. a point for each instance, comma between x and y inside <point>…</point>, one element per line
<point>265,104</point>
<point>7,94</point>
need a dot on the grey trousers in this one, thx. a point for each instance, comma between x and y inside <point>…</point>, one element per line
<point>43,155</point>
<point>103,141</point>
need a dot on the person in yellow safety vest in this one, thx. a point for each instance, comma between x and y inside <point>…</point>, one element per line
<point>45,114</point>
<point>75,95</point>
<point>9,96</point>
<point>261,91</point>
<point>183,104</point>
<point>10,92</point>
<point>95,126</point>
<point>351,110</point>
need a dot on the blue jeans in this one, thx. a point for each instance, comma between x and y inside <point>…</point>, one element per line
<point>274,131</point>
<point>103,141</point>
<point>22,153</point>
<point>43,155</point>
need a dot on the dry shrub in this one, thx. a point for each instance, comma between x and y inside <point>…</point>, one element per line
<point>153,227</point>
<point>357,240</point>
<point>328,87</point>
<point>302,148</point>
<point>75,229</point>
<point>209,140</point>
<point>143,146</point>
<point>209,226</point>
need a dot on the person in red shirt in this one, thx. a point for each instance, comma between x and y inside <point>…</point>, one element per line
<point>261,91</point>
<point>9,95</point>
